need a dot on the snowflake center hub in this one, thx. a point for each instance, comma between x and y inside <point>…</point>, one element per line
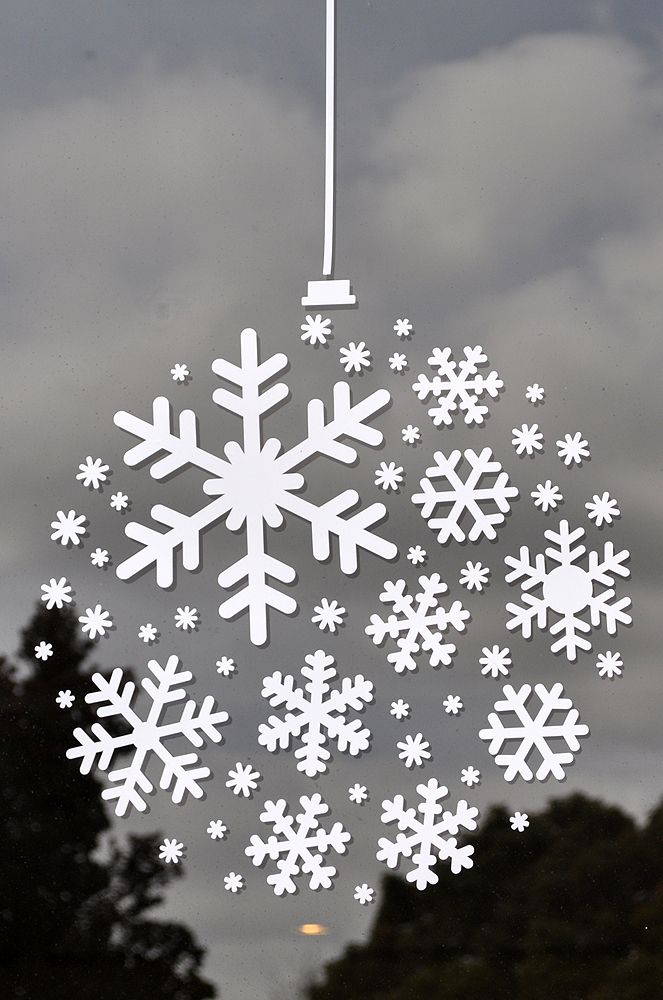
<point>568,589</point>
<point>255,482</point>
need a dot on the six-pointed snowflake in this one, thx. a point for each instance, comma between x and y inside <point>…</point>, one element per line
<point>495,662</point>
<point>474,576</point>
<point>254,485</point>
<point>470,776</point>
<point>99,557</point>
<point>553,724</point>
<point>418,623</point>
<point>416,554</point>
<point>458,386</point>
<point>147,633</point>
<point>465,497</point>
<point>43,650</point>
<point>65,699</point>
<point>519,822</point>
<point>429,835</point>
<point>568,590</point>
<point>453,704</point>
<point>233,882</point>
<point>546,496</point>
<point>180,372</point>
<point>411,434</point>
<point>414,750</point>
<point>243,780</point>
<point>298,844</point>
<point>389,476</point>
<point>609,665</point>
<point>535,393</point>
<point>186,618</point>
<point>328,615</point>
<point>358,794</point>
<point>217,829</point>
<point>399,709</point>
<point>119,501</point>
<point>602,509</point>
<point>402,327</point>
<point>398,363</point>
<point>225,666</point>
<point>147,737</point>
<point>315,713</point>
<point>171,851</point>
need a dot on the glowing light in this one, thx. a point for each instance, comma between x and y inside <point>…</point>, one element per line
<point>312,930</point>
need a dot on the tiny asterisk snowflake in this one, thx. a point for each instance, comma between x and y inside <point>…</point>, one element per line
<point>535,393</point>
<point>171,851</point>
<point>298,844</point>
<point>147,632</point>
<point>99,557</point>
<point>547,496</point>
<point>609,664</point>
<point>418,624</point>
<point>453,704</point>
<point>186,618</point>
<point>411,434</point>
<point>179,372</point>
<point>316,713</point>
<point>65,699</point>
<point>426,832</point>
<point>316,330</point>
<point>527,439</point>
<point>399,709</point>
<point>389,476</point>
<point>458,386</point>
<point>119,501</point>
<point>602,509</point>
<point>485,486</point>
<point>495,662</point>
<point>552,730</point>
<point>95,622</point>
<point>56,593</point>
<point>398,362</point>
<point>328,615</point>
<point>364,894</point>
<point>217,829</point>
<point>93,472</point>
<point>519,822</point>
<point>43,650</point>
<point>573,449</point>
<point>402,327</point>
<point>417,555</point>
<point>355,357</point>
<point>567,591</point>
<point>470,776</point>
<point>233,882</point>
<point>414,750</point>
<point>474,576</point>
<point>68,528</point>
<point>150,737</point>
<point>358,793</point>
<point>225,666</point>
<point>243,780</point>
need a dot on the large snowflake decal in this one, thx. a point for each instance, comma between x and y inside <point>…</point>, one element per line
<point>486,485</point>
<point>458,386</point>
<point>554,723</point>
<point>568,590</point>
<point>418,623</point>
<point>254,486</point>
<point>298,844</point>
<point>147,737</point>
<point>316,713</point>
<point>431,836</point>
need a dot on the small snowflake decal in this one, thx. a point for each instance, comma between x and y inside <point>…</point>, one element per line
<point>526,732</point>
<point>416,555</point>
<point>93,473</point>
<point>217,830</point>
<point>355,357</point>
<point>453,704</point>
<point>418,623</point>
<point>527,439</point>
<point>148,737</point>
<point>68,528</point>
<point>573,449</point>
<point>180,373</point>
<point>358,794</point>
<point>402,328</point>
<point>399,709</point>
<point>414,750</point>
<point>65,699</point>
<point>470,776</point>
<point>316,330</point>
<point>298,844</point>
<point>546,496</point>
<point>147,633</point>
<point>171,851</point>
<point>519,822</point>
<point>99,557</point>
<point>425,835</point>
<point>56,593</point>
<point>568,590</point>
<point>119,501</point>
<point>474,576</point>
<point>486,485</point>
<point>609,665</point>
<point>225,666</point>
<point>389,476</point>
<point>315,713</point>
<point>458,386</point>
<point>495,662</point>
<point>411,434</point>
<point>364,894</point>
<point>243,780</point>
<point>398,362</point>
<point>602,509</point>
<point>233,882</point>
<point>186,618</point>
<point>43,650</point>
<point>328,615</point>
<point>96,622</point>
<point>535,393</point>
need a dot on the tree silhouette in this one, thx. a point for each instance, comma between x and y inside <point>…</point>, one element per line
<point>570,910</point>
<point>73,908</point>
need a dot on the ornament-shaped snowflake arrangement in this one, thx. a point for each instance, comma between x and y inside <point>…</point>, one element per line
<point>567,588</point>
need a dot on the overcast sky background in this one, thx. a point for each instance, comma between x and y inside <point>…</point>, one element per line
<point>500,175</point>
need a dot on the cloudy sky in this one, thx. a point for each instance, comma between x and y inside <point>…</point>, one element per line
<point>500,174</point>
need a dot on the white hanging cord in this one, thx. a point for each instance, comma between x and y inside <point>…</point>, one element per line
<point>330,85</point>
